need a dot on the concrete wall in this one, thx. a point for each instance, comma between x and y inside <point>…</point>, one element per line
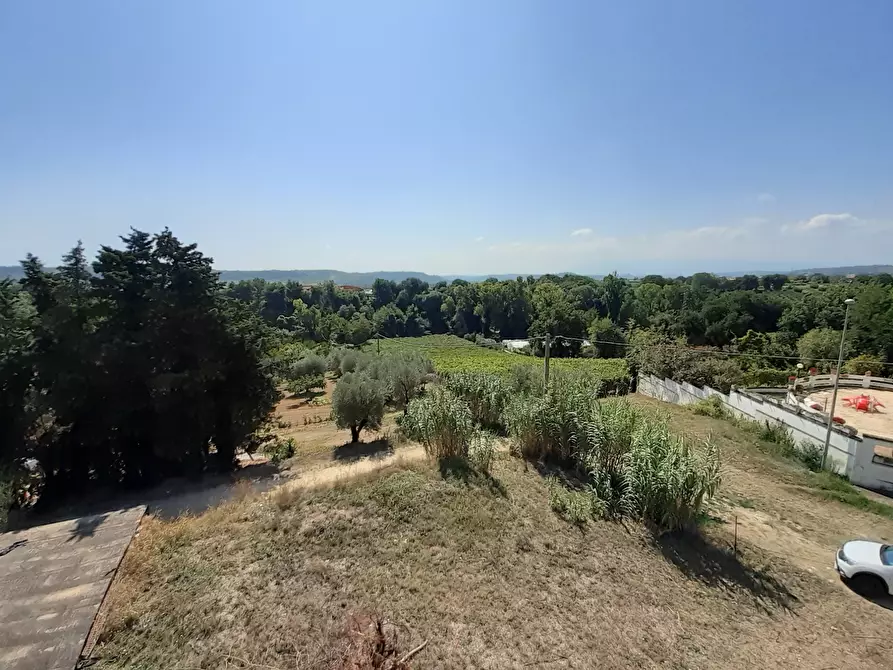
<point>848,452</point>
<point>865,472</point>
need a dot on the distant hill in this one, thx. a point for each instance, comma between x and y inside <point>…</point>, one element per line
<point>847,270</point>
<point>364,279</point>
<point>11,272</point>
<point>831,272</point>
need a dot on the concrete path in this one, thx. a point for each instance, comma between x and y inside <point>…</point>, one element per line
<point>52,581</point>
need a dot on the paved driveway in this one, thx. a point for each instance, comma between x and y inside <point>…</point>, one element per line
<point>52,581</point>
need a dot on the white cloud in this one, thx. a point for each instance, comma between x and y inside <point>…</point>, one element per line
<point>766,198</point>
<point>480,238</point>
<point>820,222</point>
<point>580,232</point>
<point>740,244</point>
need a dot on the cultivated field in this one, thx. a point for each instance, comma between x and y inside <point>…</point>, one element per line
<point>484,571</point>
<point>454,354</point>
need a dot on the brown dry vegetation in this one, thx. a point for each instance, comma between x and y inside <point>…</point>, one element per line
<point>484,571</point>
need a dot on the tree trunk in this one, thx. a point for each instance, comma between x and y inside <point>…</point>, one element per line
<point>355,433</point>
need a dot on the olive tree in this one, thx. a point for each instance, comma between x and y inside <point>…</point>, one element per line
<point>306,373</point>
<point>402,374</point>
<point>358,403</point>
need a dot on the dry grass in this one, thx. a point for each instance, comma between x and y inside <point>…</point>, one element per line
<point>484,571</point>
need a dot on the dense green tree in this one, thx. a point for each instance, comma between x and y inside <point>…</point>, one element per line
<point>607,339</point>
<point>137,369</point>
<point>819,344</point>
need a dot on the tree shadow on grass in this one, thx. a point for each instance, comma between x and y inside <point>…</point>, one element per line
<point>697,557</point>
<point>354,451</point>
<point>568,478</point>
<point>459,469</point>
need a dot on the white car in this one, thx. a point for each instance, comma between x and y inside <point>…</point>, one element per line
<point>867,567</point>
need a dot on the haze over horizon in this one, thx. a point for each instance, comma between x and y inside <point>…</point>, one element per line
<point>453,138</point>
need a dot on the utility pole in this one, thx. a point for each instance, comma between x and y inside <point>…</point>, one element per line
<point>846,316</point>
<point>546,359</point>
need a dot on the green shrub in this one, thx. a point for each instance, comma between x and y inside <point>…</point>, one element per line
<point>353,361</point>
<point>523,419</point>
<point>278,450</point>
<point>305,384</point>
<point>635,466</point>
<point>526,379</point>
<point>308,365</point>
<point>780,435</point>
<point>481,450</point>
<point>333,360</point>
<point>485,394</point>
<point>865,363</point>
<point>810,454</point>
<point>403,375</point>
<point>712,407</point>
<point>766,377</point>
<point>665,481</point>
<point>577,507</point>
<point>441,422</point>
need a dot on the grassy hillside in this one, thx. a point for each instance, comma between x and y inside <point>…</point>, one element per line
<point>482,570</point>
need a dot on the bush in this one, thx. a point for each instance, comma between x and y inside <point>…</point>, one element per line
<point>713,407</point>
<point>333,360</point>
<point>304,374</point>
<point>810,454</point>
<point>306,366</point>
<point>7,495</point>
<point>766,377</point>
<point>780,435</point>
<point>665,481</point>
<point>526,379</point>
<point>481,450</point>
<point>441,422</point>
<point>278,450</point>
<point>358,403</point>
<point>635,466</point>
<point>353,361</point>
<point>577,507</point>
<point>717,373</point>
<point>864,364</point>
<point>305,384</point>
<point>523,419</point>
<point>485,394</point>
<point>550,427</point>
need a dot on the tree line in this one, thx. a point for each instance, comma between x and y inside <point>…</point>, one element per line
<point>769,318</point>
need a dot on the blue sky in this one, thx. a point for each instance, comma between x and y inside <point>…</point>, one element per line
<point>453,136</point>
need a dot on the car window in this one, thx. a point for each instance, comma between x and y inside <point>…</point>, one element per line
<point>887,554</point>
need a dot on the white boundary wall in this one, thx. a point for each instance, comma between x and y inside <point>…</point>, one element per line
<point>848,452</point>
